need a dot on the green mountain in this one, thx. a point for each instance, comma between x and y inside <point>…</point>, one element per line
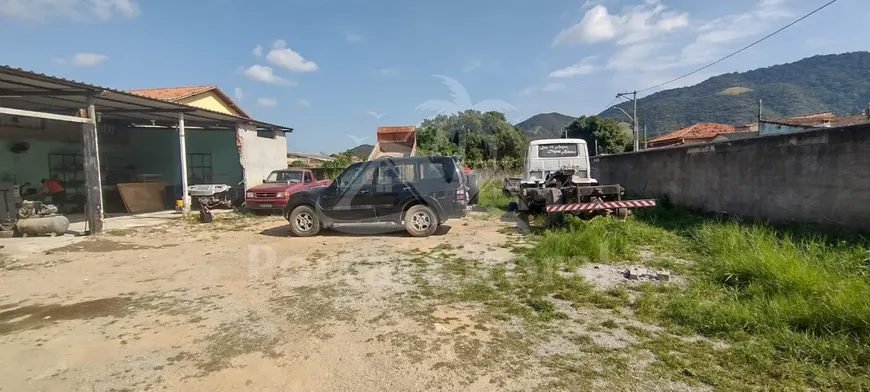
<point>838,83</point>
<point>545,125</point>
<point>361,151</point>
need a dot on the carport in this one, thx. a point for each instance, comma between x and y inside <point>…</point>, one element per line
<point>53,111</point>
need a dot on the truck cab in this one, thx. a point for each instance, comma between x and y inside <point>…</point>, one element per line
<point>547,156</point>
<point>277,187</point>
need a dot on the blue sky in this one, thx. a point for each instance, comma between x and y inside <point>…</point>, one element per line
<point>336,69</point>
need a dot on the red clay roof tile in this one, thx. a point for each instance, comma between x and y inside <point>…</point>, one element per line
<point>702,130</point>
<point>174,94</point>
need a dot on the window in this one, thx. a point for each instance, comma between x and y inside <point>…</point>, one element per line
<point>395,173</point>
<point>357,175</point>
<point>558,150</point>
<point>437,169</point>
<point>293,177</point>
<point>308,178</point>
<point>266,133</point>
<point>199,169</point>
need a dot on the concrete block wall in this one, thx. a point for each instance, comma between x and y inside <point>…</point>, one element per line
<point>260,155</point>
<point>820,177</point>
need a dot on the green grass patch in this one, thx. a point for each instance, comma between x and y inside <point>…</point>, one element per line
<point>492,196</point>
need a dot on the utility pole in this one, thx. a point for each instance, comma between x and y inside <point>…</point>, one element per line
<point>645,137</point>
<point>759,111</point>
<point>633,117</point>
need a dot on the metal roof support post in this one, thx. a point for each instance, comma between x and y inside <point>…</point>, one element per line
<point>93,183</point>
<point>182,144</point>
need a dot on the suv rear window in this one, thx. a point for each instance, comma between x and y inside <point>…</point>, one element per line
<point>441,168</point>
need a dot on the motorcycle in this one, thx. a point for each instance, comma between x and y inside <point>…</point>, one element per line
<point>215,195</point>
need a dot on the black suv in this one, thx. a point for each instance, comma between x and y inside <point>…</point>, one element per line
<point>419,193</point>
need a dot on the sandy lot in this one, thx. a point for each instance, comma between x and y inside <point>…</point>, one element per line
<point>181,308</point>
<point>243,306</point>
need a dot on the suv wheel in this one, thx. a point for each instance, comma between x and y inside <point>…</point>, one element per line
<point>473,189</point>
<point>420,221</point>
<point>304,222</point>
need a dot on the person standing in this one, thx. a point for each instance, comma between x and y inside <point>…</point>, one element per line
<point>54,189</point>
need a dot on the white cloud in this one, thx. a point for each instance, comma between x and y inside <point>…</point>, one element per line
<point>238,93</point>
<point>353,38</point>
<point>641,22</point>
<point>303,102</point>
<point>553,87</point>
<point>585,66</point>
<point>714,36</point>
<point>76,10</point>
<point>471,66</point>
<point>389,71</point>
<point>283,56</point>
<point>258,50</point>
<point>88,59</point>
<point>264,74</point>
<point>267,102</point>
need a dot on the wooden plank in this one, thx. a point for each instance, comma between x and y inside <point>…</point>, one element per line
<point>43,115</point>
<point>93,191</point>
<point>141,197</point>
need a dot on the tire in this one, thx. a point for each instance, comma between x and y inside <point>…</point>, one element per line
<point>304,222</point>
<point>420,221</point>
<point>473,189</point>
<point>513,206</point>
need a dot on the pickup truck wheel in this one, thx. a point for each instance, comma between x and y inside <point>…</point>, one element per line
<point>420,221</point>
<point>304,222</point>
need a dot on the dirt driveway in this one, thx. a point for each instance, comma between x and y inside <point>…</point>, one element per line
<point>242,306</point>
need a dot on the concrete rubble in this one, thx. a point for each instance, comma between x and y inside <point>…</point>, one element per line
<point>640,273</point>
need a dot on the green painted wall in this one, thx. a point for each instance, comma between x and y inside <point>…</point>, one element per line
<point>150,151</point>
<point>32,166</point>
<point>155,151</point>
<point>226,168</point>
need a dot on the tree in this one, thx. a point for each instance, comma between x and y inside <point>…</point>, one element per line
<point>298,164</point>
<point>340,161</point>
<point>606,133</point>
<point>480,138</point>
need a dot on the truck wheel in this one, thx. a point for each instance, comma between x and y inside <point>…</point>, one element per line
<point>513,206</point>
<point>420,221</point>
<point>623,213</point>
<point>304,222</point>
<point>473,189</point>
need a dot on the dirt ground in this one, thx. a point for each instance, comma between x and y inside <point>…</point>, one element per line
<point>243,306</point>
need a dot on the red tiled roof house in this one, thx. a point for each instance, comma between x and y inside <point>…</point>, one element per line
<point>702,132</point>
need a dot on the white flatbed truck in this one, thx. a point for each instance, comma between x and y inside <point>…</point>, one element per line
<point>557,181</point>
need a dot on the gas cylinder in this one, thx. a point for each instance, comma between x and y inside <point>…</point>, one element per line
<point>57,224</point>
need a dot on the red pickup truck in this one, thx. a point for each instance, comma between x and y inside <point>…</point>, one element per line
<point>272,194</point>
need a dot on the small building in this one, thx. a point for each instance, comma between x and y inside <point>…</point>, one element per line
<point>96,140</point>
<point>702,132</point>
<point>207,97</point>
<point>810,121</point>
<point>309,160</point>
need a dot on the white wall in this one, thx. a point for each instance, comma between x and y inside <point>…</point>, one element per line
<point>765,129</point>
<point>260,155</point>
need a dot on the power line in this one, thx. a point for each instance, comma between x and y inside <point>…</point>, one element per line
<point>608,105</point>
<point>742,49</point>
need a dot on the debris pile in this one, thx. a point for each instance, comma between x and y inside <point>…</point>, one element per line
<point>638,273</point>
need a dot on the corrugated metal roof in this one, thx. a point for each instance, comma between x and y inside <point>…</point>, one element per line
<point>20,89</point>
